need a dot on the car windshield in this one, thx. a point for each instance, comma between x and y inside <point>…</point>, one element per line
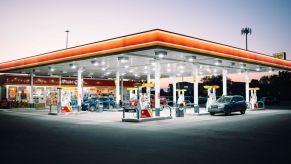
<point>224,99</point>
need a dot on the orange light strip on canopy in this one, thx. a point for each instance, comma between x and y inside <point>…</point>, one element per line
<point>146,40</point>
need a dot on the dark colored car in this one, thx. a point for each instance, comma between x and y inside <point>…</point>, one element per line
<point>228,104</point>
<point>269,100</point>
<point>107,102</point>
<point>4,103</point>
<point>91,104</point>
<point>189,99</point>
<point>202,100</point>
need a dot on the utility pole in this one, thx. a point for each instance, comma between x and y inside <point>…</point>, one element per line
<point>67,41</point>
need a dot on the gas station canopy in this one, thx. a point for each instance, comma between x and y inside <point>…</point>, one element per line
<point>134,55</point>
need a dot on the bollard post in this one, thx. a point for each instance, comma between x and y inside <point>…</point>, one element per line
<point>137,114</point>
<point>123,112</point>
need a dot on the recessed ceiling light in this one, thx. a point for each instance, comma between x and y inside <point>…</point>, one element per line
<point>73,66</point>
<point>161,54</point>
<point>94,62</point>
<point>191,58</point>
<point>217,62</point>
<point>243,66</point>
<point>51,69</point>
<point>123,59</point>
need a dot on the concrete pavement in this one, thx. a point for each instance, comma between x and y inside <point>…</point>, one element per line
<point>257,137</point>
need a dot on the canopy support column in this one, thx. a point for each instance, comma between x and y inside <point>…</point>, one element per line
<point>80,88</point>
<point>247,86</point>
<point>224,82</point>
<point>157,87</point>
<point>31,91</point>
<point>117,89</point>
<point>195,81</point>
<point>174,90</point>
<point>149,88</point>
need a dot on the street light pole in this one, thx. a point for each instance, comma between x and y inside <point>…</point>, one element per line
<point>67,41</point>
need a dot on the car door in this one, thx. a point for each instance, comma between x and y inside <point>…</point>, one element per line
<point>234,104</point>
<point>241,103</point>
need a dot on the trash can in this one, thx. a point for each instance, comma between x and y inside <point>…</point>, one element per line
<point>99,107</point>
<point>157,111</point>
<point>180,111</point>
<point>196,108</point>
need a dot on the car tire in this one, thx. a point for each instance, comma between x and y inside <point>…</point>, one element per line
<point>227,112</point>
<point>212,113</point>
<point>243,111</point>
<point>92,108</point>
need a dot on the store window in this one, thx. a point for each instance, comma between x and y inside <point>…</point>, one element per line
<point>38,95</point>
<point>51,96</point>
<point>12,92</point>
<point>22,93</point>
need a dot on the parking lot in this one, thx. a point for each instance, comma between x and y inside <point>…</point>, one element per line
<point>115,117</point>
<point>31,136</point>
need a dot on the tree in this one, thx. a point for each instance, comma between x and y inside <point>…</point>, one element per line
<point>276,85</point>
<point>215,80</point>
<point>246,31</point>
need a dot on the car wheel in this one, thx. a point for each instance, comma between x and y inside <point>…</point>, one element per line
<point>92,108</point>
<point>228,112</point>
<point>243,111</point>
<point>212,113</point>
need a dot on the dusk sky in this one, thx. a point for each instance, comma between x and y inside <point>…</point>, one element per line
<point>33,27</point>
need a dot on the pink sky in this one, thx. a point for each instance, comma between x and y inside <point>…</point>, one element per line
<point>33,27</point>
<point>234,77</point>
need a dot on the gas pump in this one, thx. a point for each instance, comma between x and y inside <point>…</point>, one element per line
<point>253,98</point>
<point>181,103</point>
<point>140,102</point>
<point>211,94</point>
<point>144,102</point>
<point>181,96</point>
<point>132,93</point>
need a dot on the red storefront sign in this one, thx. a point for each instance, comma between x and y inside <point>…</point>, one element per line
<point>51,81</point>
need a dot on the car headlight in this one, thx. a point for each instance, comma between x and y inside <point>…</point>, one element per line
<point>221,106</point>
